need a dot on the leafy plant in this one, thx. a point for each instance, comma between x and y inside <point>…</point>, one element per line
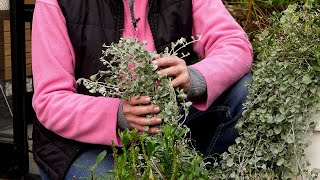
<point>167,154</point>
<point>284,93</point>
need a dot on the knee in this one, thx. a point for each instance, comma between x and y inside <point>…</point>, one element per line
<point>238,94</point>
<point>241,87</point>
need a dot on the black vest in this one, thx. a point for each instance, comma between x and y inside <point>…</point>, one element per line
<point>91,23</point>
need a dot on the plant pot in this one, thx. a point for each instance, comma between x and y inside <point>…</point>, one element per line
<point>4,5</point>
<point>312,153</point>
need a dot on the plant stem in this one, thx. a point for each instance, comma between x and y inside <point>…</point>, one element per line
<point>145,156</point>
<point>174,163</point>
<point>132,154</point>
<point>115,157</point>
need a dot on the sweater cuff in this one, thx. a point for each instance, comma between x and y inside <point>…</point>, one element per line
<point>122,122</point>
<point>198,85</point>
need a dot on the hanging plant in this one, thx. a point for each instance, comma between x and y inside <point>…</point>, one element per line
<point>284,93</point>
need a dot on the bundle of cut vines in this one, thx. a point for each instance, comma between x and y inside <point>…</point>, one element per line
<point>167,154</point>
<point>284,93</point>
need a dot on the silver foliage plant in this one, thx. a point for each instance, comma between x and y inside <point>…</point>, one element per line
<point>284,93</point>
<point>167,154</point>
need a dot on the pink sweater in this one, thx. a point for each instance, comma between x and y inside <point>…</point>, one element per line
<point>224,46</point>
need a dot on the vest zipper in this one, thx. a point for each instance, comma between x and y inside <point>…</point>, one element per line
<point>133,19</point>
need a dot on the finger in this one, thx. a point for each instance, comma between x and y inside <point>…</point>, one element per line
<point>141,110</point>
<point>140,100</point>
<point>177,82</point>
<point>157,56</point>
<point>138,126</point>
<point>143,120</point>
<point>151,130</point>
<point>182,81</point>
<point>171,71</point>
<point>167,61</point>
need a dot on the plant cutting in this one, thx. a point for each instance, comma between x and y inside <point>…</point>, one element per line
<point>167,154</point>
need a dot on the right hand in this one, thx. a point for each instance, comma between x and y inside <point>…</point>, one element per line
<point>135,108</point>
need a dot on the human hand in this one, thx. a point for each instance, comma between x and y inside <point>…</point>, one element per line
<point>135,108</point>
<point>176,68</point>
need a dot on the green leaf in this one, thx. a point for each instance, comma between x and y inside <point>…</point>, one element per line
<point>188,104</point>
<point>307,79</point>
<point>238,140</point>
<point>93,77</point>
<point>125,137</point>
<point>279,119</point>
<point>146,128</point>
<point>230,162</point>
<point>277,129</point>
<point>269,133</point>
<point>280,161</point>
<point>233,175</point>
<point>80,166</point>
<point>154,67</point>
<point>100,157</point>
<point>150,148</point>
<point>182,96</point>
<point>182,177</point>
<point>93,90</point>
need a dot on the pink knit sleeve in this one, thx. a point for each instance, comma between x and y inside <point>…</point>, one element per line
<point>224,46</point>
<point>57,105</point>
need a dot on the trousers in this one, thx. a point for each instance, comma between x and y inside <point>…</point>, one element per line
<point>212,131</point>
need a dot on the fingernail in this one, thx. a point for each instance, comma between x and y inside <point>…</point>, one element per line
<point>159,72</point>
<point>159,120</point>
<point>158,130</point>
<point>147,99</point>
<point>154,62</point>
<point>156,109</point>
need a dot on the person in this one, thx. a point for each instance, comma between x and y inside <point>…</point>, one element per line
<point>73,126</point>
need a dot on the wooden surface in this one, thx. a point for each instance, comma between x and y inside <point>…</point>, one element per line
<point>4,16</point>
<point>5,45</point>
<point>29,1</point>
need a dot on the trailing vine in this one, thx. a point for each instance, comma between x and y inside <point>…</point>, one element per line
<point>284,93</point>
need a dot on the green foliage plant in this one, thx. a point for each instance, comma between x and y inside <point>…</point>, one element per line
<point>284,93</point>
<point>167,154</point>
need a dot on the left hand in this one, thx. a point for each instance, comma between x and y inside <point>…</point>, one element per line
<point>176,68</point>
